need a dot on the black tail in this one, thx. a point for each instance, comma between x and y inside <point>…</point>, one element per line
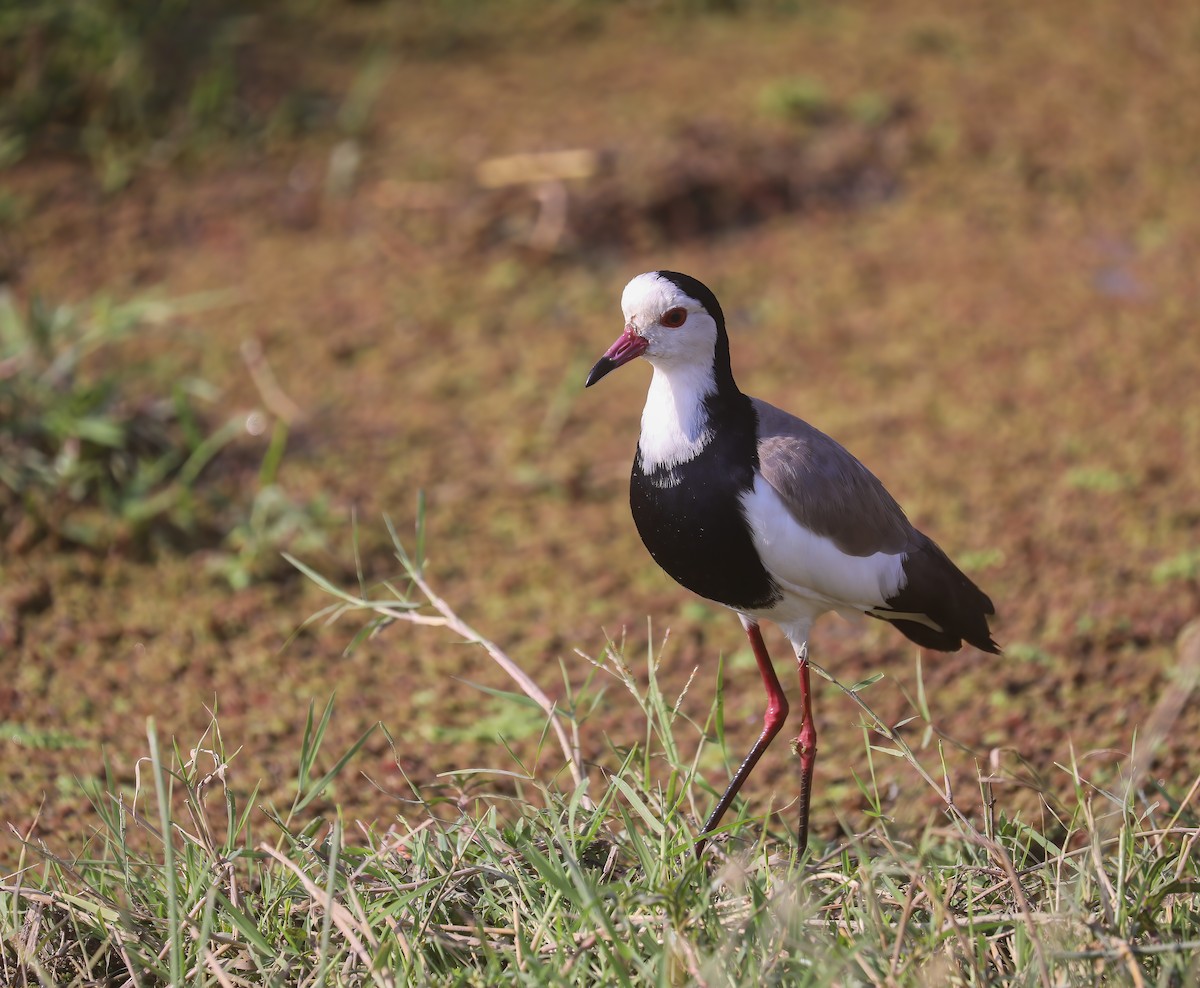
<point>939,591</point>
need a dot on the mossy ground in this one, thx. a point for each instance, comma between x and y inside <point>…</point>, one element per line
<point>1009,340</point>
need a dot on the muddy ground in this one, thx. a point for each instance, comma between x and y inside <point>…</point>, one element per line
<point>972,257</point>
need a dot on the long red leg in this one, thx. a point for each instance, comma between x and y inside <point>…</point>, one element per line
<point>806,748</point>
<point>776,714</point>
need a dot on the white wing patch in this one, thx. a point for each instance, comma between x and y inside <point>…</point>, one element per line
<point>811,566</point>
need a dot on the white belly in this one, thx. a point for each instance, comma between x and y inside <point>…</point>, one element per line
<point>814,575</point>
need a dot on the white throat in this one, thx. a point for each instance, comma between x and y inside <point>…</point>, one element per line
<point>675,425</point>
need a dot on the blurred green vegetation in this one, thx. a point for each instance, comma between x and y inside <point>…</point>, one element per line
<point>123,80</point>
<point>70,435</point>
<point>88,459</point>
<point>113,78</point>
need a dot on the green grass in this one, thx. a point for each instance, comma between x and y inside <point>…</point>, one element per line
<point>107,79</point>
<point>559,873</point>
<point>93,454</point>
<point>72,436</point>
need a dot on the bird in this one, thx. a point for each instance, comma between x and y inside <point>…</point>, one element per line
<point>751,507</point>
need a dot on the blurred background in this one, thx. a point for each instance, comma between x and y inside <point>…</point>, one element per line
<point>270,270</point>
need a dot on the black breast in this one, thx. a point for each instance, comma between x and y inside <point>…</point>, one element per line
<point>690,515</point>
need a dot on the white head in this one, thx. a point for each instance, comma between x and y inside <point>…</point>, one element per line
<point>671,319</point>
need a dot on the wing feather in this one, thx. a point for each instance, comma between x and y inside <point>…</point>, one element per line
<point>826,489</point>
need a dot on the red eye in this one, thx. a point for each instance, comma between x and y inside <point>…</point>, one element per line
<point>674,318</point>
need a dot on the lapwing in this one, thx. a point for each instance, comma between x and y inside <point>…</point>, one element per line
<point>751,507</point>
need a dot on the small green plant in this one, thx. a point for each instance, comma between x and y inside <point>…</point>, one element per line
<point>1100,480</point>
<point>1182,566</point>
<point>805,102</point>
<point>89,461</point>
<point>802,99</point>
<point>273,521</point>
<point>71,439</point>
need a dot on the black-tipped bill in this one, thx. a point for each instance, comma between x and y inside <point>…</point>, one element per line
<point>628,346</point>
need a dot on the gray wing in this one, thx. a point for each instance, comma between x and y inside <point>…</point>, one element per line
<point>830,493</point>
<point>826,489</point>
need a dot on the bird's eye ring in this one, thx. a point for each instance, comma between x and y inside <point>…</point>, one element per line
<point>674,318</point>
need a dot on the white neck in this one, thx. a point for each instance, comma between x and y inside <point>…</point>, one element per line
<point>675,424</point>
